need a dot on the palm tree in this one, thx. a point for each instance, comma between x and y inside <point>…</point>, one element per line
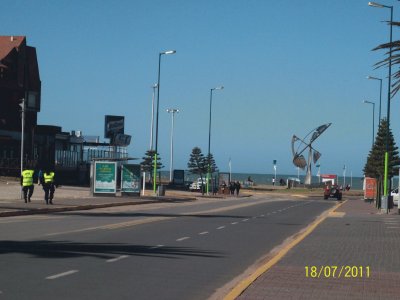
<point>393,57</point>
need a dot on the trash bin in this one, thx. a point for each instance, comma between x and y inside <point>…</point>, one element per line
<point>161,190</point>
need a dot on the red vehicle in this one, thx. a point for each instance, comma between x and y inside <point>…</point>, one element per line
<point>332,191</point>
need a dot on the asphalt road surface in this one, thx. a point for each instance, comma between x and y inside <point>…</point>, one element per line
<point>159,251</point>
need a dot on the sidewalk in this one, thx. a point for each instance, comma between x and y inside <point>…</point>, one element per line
<point>72,198</point>
<point>356,243</point>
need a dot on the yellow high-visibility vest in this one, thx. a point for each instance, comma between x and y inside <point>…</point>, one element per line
<point>27,177</point>
<point>48,178</point>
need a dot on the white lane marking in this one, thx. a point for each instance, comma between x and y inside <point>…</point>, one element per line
<point>262,216</point>
<point>117,258</point>
<point>274,212</point>
<point>62,274</point>
<point>245,220</point>
<point>204,232</point>
<point>158,246</point>
<point>393,227</point>
<point>182,239</point>
<point>221,227</point>
<point>234,223</point>
<point>254,218</point>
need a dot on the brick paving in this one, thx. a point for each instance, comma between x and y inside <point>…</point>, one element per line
<point>363,237</point>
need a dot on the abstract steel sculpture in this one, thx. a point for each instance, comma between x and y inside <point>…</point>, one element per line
<point>299,159</point>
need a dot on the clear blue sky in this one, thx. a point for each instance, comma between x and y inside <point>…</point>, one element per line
<point>288,66</point>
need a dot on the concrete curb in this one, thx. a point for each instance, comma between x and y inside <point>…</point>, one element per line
<point>47,210</point>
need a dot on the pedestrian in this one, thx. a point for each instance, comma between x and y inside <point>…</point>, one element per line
<point>48,183</point>
<point>237,187</point>
<point>273,181</point>
<point>40,174</point>
<point>232,187</point>
<point>27,184</point>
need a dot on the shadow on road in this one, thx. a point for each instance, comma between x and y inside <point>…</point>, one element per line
<point>66,249</point>
<point>139,214</point>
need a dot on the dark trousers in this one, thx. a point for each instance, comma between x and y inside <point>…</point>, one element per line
<point>28,192</point>
<point>48,192</point>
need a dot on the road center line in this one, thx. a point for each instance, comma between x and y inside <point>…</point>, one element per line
<point>62,274</point>
<point>182,239</point>
<point>221,227</point>
<point>245,220</point>
<point>117,258</point>
<point>158,246</point>
<point>234,223</point>
<point>204,232</point>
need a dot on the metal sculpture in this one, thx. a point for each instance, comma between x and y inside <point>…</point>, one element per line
<point>298,157</point>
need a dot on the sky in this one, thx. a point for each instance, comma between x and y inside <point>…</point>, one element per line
<point>287,67</point>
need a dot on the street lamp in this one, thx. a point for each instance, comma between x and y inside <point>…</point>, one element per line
<point>380,94</point>
<point>373,119</point>
<point>152,116</point>
<point>172,111</point>
<point>385,183</point>
<point>22,104</point>
<point>158,105</point>
<point>209,138</point>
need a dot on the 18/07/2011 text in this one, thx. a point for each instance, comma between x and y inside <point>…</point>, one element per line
<point>337,271</point>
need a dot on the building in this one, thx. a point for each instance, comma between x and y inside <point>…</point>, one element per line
<point>19,79</point>
<point>45,146</point>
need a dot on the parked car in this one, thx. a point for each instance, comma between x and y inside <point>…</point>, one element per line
<point>395,194</point>
<point>197,185</point>
<point>332,192</point>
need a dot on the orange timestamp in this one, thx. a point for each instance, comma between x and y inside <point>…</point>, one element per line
<point>338,271</point>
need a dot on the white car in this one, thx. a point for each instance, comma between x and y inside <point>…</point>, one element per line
<point>395,194</point>
<point>197,184</point>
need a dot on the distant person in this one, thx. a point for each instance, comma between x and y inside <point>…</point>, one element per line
<point>273,181</point>
<point>237,187</point>
<point>232,187</point>
<point>48,183</point>
<point>223,187</point>
<point>27,184</point>
<point>348,187</point>
<point>40,174</point>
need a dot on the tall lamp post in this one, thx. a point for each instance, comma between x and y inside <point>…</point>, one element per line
<point>373,119</point>
<point>158,106</point>
<point>152,116</point>
<point>385,182</point>
<point>209,138</point>
<point>22,104</point>
<point>172,111</point>
<point>380,94</point>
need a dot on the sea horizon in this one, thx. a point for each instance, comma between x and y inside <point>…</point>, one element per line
<point>355,182</point>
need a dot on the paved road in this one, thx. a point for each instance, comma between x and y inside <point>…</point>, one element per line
<point>166,251</point>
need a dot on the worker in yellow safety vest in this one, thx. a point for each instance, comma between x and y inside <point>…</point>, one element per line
<point>48,183</point>
<point>27,184</point>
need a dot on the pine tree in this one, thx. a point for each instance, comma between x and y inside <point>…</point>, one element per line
<point>197,164</point>
<point>148,163</point>
<point>209,160</point>
<point>375,165</point>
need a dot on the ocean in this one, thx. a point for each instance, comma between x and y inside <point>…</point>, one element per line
<point>266,179</point>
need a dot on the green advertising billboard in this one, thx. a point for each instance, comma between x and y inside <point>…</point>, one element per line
<point>105,177</point>
<point>130,179</point>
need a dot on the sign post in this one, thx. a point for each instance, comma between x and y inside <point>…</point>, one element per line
<point>130,179</point>
<point>105,178</point>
